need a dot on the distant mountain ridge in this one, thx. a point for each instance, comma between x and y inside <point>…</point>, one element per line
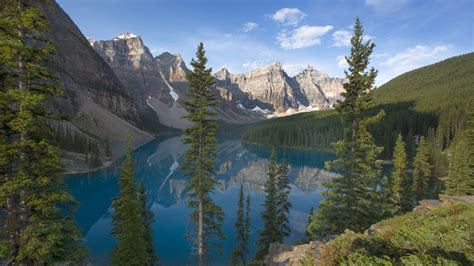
<point>160,82</point>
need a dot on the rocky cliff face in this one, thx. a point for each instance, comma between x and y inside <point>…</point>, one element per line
<point>143,79</point>
<point>269,90</point>
<point>157,85</point>
<point>321,90</point>
<point>93,96</point>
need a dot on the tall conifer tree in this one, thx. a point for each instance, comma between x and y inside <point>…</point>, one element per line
<point>283,203</point>
<point>37,226</point>
<point>200,158</point>
<point>148,218</point>
<point>401,190</point>
<point>351,198</point>
<point>421,170</point>
<point>459,182</point>
<point>270,232</point>
<point>242,224</point>
<point>128,220</point>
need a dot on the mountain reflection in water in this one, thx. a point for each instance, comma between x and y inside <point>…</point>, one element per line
<point>158,166</point>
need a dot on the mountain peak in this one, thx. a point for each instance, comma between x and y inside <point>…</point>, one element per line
<point>222,74</point>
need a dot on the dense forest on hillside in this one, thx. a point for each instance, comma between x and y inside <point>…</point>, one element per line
<point>430,101</point>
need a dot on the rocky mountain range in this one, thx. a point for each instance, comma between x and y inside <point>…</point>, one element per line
<point>94,98</point>
<point>158,83</point>
<point>117,86</point>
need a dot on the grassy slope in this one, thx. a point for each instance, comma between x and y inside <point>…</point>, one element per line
<point>442,236</point>
<point>430,89</point>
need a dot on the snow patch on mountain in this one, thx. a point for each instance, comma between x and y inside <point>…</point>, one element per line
<point>173,94</point>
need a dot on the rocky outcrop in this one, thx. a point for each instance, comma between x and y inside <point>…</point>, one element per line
<point>269,90</point>
<point>321,90</point>
<point>143,79</point>
<point>280,255</point>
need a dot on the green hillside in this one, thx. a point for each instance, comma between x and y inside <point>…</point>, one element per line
<point>442,236</point>
<point>431,100</point>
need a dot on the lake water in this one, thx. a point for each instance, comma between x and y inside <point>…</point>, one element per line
<point>158,166</point>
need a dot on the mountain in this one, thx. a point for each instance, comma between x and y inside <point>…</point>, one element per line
<point>143,79</point>
<point>270,90</point>
<point>93,97</point>
<point>159,84</point>
<point>436,96</point>
<point>321,90</point>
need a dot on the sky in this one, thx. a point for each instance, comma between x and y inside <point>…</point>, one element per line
<point>242,35</point>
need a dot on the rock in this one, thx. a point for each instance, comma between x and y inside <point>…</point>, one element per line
<point>270,88</point>
<point>280,254</point>
<point>143,79</point>
<point>429,204</point>
<point>452,199</point>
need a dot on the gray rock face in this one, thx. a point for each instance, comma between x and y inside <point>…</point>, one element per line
<point>82,71</point>
<point>139,72</point>
<point>320,90</point>
<point>271,89</point>
<point>93,95</point>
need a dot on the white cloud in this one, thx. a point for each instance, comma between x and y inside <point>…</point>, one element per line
<point>303,36</point>
<point>250,26</point>
<point>294,69</point>
<point>341,38</point>
<point>288,16</point>
<point>415,57</point>
<point>341,62</point>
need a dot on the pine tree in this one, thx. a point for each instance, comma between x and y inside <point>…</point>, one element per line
<point>283,204</point>
<point>351,199</point>
<point>247,224</point>
<point>242,224</point>
<point>148,218</point>
<point>421,170</point>
<point>470,144</point>
<point>401,190</point>
<point>200,158</point>
<point>128,221</point>
<point>458,181</point>
<point>270,233</point>
<point>37,227</point>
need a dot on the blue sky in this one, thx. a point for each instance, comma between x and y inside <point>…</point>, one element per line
<point>245,34</point>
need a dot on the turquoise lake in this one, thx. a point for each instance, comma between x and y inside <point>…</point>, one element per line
<point>158,166</point>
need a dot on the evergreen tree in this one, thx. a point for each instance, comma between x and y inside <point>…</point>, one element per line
<point>270,233</point>
<point>148,218</point>
<point>200,158</point>
<point>283,204</point>
<point>351,199</point>
<point>401,190</point>
<point>128,221</point>
<point>247,222</point>
<point>37,227</point>
<point>470,145</point>
<point>242,224</point>
<point>458,181</point>
<point>421,170</point>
